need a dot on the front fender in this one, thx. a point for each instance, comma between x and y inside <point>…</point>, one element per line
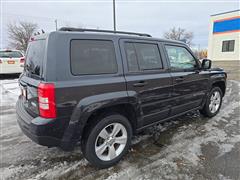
<point>218,77</point>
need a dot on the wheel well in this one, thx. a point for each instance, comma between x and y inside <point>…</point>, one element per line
<point>126,110</point>
<point>221,85</point>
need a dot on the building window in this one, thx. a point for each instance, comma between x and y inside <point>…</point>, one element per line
<point>228,46</point>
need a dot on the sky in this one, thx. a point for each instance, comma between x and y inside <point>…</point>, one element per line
<point>148,16</point>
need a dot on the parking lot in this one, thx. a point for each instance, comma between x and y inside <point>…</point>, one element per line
<point>190,147</point>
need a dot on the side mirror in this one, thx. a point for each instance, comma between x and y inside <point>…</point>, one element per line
<point>206,64</point>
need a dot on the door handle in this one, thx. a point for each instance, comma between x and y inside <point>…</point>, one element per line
<point>179,79</point>
<point>140,84</point>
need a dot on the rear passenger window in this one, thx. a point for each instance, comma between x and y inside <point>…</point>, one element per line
<point>143,56</point>
<point>148,56</point>
<point>93,57</point>
<point>131,57</point>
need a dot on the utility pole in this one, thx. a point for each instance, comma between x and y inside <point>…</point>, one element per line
<point>114,15</point>
<point>56,24</point>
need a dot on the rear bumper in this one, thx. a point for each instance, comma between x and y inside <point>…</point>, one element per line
<point>46,132</point>
<point>42,140</point>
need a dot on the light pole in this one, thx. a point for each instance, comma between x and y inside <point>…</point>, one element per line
<point>114,16</point>
<point>56,24</point>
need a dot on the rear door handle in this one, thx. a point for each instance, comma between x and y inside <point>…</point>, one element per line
<point>140,84</point>
<point>179,79</point>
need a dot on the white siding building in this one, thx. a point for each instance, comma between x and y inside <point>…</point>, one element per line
<point>224,37</point>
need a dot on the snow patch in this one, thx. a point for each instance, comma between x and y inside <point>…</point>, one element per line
<point>225,148</point>
<point>12,171</point>
<point>9,92</point>
<point>59,170</point>
<point>221,177</point>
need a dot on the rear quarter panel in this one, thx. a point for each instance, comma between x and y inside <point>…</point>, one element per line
<point>71,89</point>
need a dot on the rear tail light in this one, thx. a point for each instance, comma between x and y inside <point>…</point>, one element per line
<point>46,100</point>
<point>22,60</point>
<point>0,61</point>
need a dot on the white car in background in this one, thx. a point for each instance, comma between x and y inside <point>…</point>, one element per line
<point>11,61</point>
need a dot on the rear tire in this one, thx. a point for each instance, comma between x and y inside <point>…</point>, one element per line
<point>107,140</point>
<point>213,102</point>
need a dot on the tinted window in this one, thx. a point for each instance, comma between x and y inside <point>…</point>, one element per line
<point>180,58</point>
<point>228,46</point>
<point>93,57</point>
<point>10,54</point>
<point>148,56</point>
<point>131,57</point>
<point>35,56</point>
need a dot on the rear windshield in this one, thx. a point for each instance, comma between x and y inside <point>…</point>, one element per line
<point>34,57</point>
<point>10,54</point>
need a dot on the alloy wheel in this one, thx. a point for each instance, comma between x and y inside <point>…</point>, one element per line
<point>215,102</point>
<point>111,141</point>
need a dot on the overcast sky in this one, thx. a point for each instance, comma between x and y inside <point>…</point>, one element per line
<point>154,17</point>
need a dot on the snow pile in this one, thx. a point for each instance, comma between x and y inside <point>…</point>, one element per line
<point>9,92</point>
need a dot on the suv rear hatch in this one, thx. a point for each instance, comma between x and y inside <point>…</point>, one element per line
<point>32,75</point>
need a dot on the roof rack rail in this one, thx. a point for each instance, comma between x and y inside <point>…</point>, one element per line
<point>104,31</point>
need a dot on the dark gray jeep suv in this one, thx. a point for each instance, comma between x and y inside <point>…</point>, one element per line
<point>98,88</point>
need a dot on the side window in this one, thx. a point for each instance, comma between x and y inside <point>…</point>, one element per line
<point>131,57</point>
<point>228,46</point>
<point>142,56</point>
<point>148,56</point>
<point>180,58</point>
<point>93,57</point>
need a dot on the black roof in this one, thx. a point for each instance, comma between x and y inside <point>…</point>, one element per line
<point>103,31</point>
<point>122,34</point>
<point>109,33</point>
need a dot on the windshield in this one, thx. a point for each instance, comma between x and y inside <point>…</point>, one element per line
<point>10,54</point>
<point>34,57</point>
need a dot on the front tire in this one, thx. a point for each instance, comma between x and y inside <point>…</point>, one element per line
<point>107,141</point>
<point>213,102</point>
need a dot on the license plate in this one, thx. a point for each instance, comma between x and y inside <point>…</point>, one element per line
<point>11,62</point>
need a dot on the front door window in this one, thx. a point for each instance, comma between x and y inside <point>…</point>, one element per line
<point>180,58</point>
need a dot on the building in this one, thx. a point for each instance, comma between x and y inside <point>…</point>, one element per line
<point>224,37</point>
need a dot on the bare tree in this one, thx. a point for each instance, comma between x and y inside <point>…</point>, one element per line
<point>179,34</point>
<point>19,34</point>
<point>201,54</point>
